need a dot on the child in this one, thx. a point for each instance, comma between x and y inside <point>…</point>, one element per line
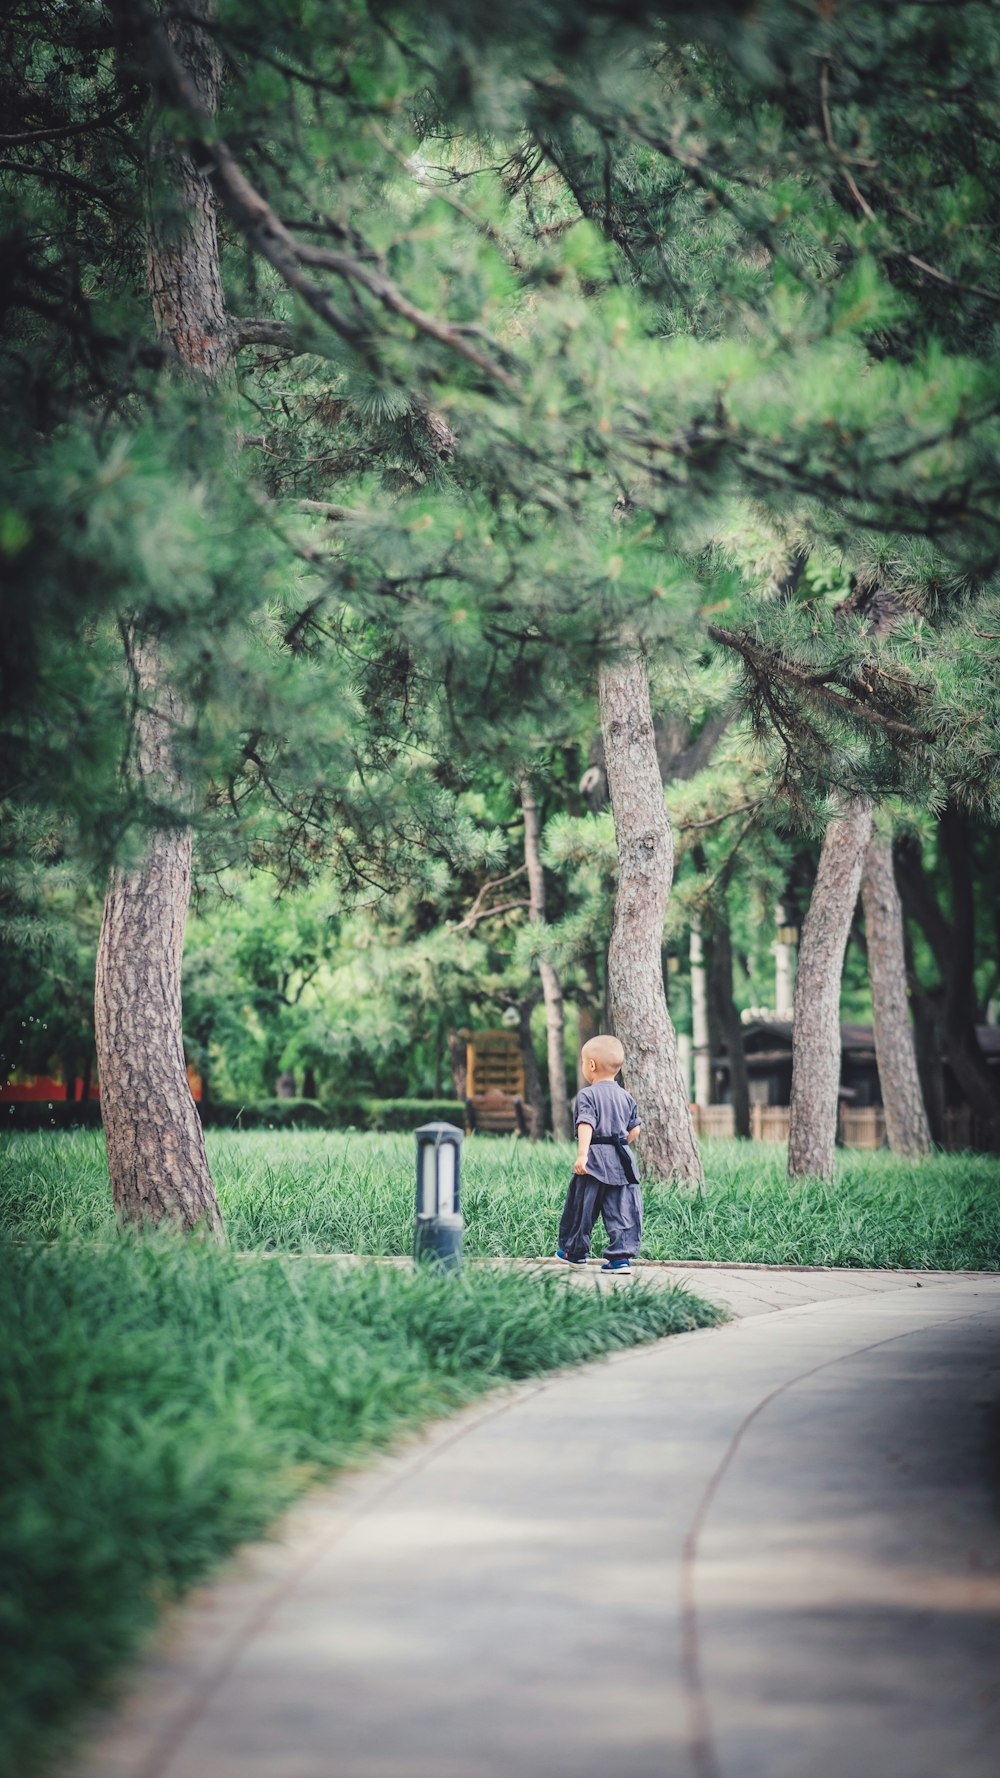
<point>605,1182</point>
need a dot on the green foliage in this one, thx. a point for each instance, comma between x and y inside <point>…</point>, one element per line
<point>706,271</point>
<point>162,1402</point>
<point>651,275</point>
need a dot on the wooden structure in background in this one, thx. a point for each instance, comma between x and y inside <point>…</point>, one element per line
<point>716,1122</point>
<point>495,1083</point>
<point>864,1128</point>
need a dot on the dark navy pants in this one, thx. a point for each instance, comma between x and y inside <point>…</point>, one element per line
<point>618,1206</point>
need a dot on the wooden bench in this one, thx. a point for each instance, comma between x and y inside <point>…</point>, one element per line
<point>498,1114</point>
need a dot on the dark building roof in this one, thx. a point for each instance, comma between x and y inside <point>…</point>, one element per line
<point>770,1040</point>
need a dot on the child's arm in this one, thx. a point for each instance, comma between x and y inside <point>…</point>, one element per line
<point>584,1132</point>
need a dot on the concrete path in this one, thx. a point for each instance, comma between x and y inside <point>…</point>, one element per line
<point>770,1550</point>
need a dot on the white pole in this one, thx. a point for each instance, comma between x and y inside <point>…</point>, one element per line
<point>784,971</point>
<point>699,1019</point>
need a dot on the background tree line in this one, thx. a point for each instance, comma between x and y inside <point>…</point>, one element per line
<point>380,387</point>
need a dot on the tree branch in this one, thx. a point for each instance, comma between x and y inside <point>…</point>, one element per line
<point>714,820</point>
<point>262,330</point>
<point>325,510</point>
<point>767,662</point>
<point>478,912</point>
<point>504,907</point>
<point>864,206</point>
<point>265,231</point>
<point>23,137</point>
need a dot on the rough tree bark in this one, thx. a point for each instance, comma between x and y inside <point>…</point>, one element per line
<point>636,1001</point>
<point>905,1117</point>
<point>156,1152</point>
<point>551,987</point>
<point>816,1027</point>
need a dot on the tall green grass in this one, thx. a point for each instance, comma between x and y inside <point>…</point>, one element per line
<point>163,1400</point>
<point>319,1192</point>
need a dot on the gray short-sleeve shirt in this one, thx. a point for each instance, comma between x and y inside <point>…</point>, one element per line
<point>612,1112</point>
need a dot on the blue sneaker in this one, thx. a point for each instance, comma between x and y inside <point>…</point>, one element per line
<point>567,1261</point>
<point>617,1265</point>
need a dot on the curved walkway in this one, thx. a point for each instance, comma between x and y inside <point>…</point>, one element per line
<point>762,1551</point>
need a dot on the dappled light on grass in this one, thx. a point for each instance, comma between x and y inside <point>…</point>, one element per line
<point>322,1192</point>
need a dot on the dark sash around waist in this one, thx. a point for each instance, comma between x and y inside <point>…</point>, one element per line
<point>619,1143</point>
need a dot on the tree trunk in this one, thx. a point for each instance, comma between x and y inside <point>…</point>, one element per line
<point>700,1036</point>
<point>458,1061</point>
<point>532,1079</point>
<point>587,1028</point>
<point>930,1065</point>
<point>156,1150</point>
<point>727,1016</point>
<point>636,1001</point>
<point>156,1154</point>
<point>905,1117</point>
<point>953,946</point>
<point>589,1010</point>
<point>185,277</point>
<point>959,1013</point>
<point>816,1026</point>
<point>551,987</point>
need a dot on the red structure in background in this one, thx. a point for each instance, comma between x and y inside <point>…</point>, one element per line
<point>23,1089</point>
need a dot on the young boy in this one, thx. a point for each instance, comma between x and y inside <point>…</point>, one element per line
<point>605,1182</point>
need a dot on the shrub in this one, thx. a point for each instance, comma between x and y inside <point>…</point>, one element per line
<point>267,1114</point>
<point>409,1114</point>
<point>51,1114</point>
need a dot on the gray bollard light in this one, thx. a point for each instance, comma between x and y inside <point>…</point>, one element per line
<point>438,1232</point>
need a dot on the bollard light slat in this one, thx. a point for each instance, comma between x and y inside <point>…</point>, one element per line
<point>438,1232</point>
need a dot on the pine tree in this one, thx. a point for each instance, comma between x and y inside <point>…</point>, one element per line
<point>816,1054</point>
<point>561,1125</point>
<point>652,273</point>
<point>636,1000</point>
<point>905,1116</point>
<point>156,1151</point>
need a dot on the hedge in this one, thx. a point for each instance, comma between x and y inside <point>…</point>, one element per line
<point>408,1114</point>
<point>264,1114</point>
<point>51,1114</point>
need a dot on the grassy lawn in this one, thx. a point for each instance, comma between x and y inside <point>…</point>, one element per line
<point>162,1401</point>
<point>320,1192</point>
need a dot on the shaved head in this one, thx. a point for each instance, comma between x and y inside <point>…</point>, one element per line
<point>607,1052</point>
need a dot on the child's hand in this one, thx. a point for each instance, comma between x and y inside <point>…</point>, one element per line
<point>579,1166</point>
